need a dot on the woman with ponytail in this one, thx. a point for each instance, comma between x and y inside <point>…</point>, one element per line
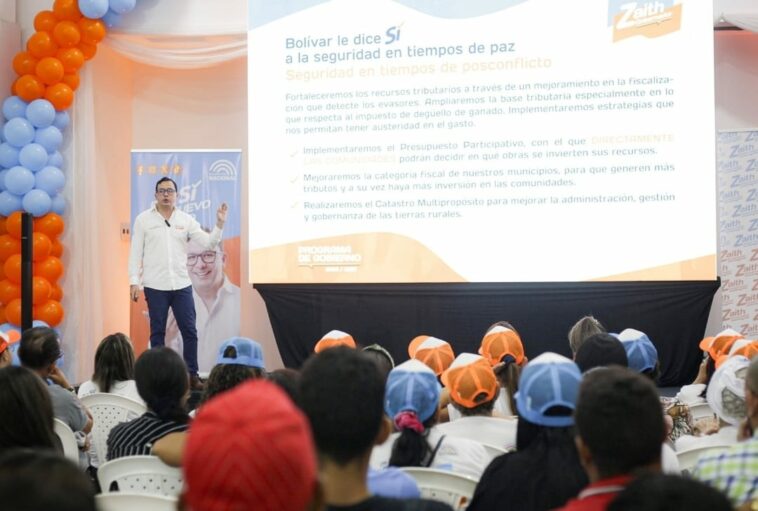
<point>502,346</point>
<point>411,399</point>
<point>163,383</point>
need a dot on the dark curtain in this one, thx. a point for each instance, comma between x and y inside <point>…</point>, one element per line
<point>672,314</point>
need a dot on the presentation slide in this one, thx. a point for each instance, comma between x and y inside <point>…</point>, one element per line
<point>481,141</point>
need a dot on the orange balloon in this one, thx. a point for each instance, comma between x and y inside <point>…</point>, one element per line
<point>88,50</point>
<point>12,268</point>
<point>56,249</point>
<point>56,293</point>
<point>50,70</point>
<point>8,247</point>
<point>66,34</point>
<point>13,312</point>
<point>60,95</point>
<point>29,88</point>
<point>50,224</point>
<point>9,291</point>
<point>2,315</point>
<point>3,229</point>
<point>72,80</point>
<point>67,10</point>
<point>71,58</point>
<point>45,21</point>
<point>41,45</point>
<point>51,312</point>
<point>41,246</point>
<point>50,268</point>
<point>13,224</point>
<point>24,63</point>
<point>92,31</point>
<point>41,290</point>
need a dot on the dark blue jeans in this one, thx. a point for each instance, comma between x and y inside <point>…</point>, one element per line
<point>183,305</point>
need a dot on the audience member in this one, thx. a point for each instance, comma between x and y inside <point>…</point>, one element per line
<point>735,471</point>
<point>411,400</point>
<point>473,389</point>
<point>640,352</point>
<point>289,381</point>
<point>6,357</point>
<point>114,369</point>
<point>600,350</point>
<point>342,396</point>
<point>502,347</point>
<point>544,471</point>
<point>582,330</point>
<point>713,348</point>
<point>332,339</point>
<point>620,429</point>
<point>239,359</point>
<point>250,448</point>
<point>382,357</point>
<point>435,353</point>
<point>32,480</point>
<point>26,412</point>
<point>163,383</point>
<point>657,492</point>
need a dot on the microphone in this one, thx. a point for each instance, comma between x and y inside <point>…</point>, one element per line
<point>167,222</point>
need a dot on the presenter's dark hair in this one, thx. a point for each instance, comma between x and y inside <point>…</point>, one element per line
<point>162,382</point>
<point>26,419</point>
<point>163,180</point>
<point>39,348</point>
<point>342,392</point>
<point>114,361</point>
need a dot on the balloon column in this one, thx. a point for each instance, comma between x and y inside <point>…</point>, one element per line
<point>31,165</point>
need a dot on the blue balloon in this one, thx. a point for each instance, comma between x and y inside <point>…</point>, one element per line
<point>37,202</point>
<point>19,180</point>
<point>2,179</point>
<point>50,138</point>
<point>8,155</point>
<point>50,180</point>
<point>33,157</point>
<point>55,160</point>
<point>41,113</point>
<point>62,120</point>
<point>59,205</point>
<point>13,107</point>
<point>94,9</point>
<point>18,132</point>
<point>13,348</point>
<point>111,19</point>
<point>9,203</point>
<point>122,6</point>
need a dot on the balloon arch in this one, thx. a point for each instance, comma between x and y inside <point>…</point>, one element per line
<point>32,168</point>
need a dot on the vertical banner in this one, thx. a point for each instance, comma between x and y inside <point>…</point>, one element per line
<point>205,179</point>
<point>738,230</point>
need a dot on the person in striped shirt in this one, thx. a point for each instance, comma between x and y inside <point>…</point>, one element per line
<point>163,383</point>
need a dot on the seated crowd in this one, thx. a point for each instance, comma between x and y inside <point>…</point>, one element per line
<point>353,431</point>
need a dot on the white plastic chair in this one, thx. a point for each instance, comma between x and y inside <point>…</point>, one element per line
<point>700,410</point>
<point>441,485</point>
<point>688,459</point>
<point>68,440</point>
<point>134,501</point>
<point>493,451</point>
<point>140,474</point>
<point>108,410</point>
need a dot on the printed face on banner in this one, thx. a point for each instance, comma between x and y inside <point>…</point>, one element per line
<point>205,267</point>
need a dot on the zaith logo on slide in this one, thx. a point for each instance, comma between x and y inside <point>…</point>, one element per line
<point>652,18</point>
<point>222,170</point>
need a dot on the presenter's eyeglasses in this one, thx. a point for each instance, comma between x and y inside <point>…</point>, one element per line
<point>166,191</point>
<point>207,257</point>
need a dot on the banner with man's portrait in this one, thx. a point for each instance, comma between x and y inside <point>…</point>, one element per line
<point>204,179</point>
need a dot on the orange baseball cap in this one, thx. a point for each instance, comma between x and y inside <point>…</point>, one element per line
<point>333,339</point>
<point>470,380</point>
<point>500,341</point>
<point>720,343</point>
<point>435,353</point>
<point>743,347</point>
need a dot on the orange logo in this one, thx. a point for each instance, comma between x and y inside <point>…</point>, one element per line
<point>646,18</point>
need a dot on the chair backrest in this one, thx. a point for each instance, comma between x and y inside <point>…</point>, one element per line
<point>494,451</point>
<point>140,474</point>
<point>134,501</point>
<point>108,410</point>
<point>68,440</point>
<point>688,459</point>
<point>700,410</point>
<point>441,485</point>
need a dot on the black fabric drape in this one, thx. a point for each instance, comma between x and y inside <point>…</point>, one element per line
<point>672,314</point>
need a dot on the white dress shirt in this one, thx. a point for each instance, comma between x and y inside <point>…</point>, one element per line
<point>158,255</point>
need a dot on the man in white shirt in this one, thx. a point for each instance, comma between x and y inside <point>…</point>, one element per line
<point>158,260</point>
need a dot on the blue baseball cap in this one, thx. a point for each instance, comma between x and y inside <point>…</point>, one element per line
<point>548,381</point>
<point>412,387</point>
<point>248,353</point>
<point>640,350</point>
